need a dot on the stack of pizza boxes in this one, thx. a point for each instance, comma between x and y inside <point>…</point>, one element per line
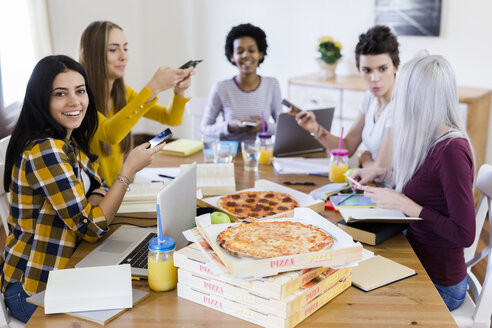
<point>271,292</point>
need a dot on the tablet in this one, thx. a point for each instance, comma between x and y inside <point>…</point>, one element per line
<point>292,139</point>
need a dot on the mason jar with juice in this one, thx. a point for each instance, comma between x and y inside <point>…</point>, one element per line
<point>338,164</point>
<point>162,272</point>
<point>265,143</point>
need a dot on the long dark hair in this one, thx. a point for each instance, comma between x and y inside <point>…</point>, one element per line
<point>35,121</point>
<point>93,56</point>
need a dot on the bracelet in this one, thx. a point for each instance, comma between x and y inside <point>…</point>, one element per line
<point>124,180</point>
<point>96,193</point>
<point>320,132</point>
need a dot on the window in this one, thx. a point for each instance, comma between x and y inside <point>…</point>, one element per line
<point>17,53</point>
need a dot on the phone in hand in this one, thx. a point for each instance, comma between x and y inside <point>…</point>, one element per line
<point>287,103</point>
<point>160,138</point>
<point>356,183</point>
<point>249,122</point>
<point>190,63</point>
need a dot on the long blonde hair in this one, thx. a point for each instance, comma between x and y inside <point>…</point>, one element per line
<point>425,100</point>
<point>93,56</point>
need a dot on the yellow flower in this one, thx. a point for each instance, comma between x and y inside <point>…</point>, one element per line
<point>338,45</point>
<point>325,38</point>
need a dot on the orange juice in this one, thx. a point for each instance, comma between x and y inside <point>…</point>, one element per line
<point>266,155</point>
<point>162,273</point>
<point>337,171</point>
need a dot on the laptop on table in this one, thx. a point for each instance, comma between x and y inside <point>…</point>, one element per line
<point>129,244</point>
<point>292,139</point>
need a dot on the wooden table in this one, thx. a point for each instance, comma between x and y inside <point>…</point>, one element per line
<point>411,302</point>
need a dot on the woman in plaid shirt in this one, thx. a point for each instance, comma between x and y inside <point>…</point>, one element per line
<point>57,198</point>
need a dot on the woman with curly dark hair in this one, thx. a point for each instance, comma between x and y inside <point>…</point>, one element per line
<point>377,59</point>
<point>243,99</point>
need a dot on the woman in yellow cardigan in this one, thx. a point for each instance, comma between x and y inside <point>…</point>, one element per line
<point>103,53</point>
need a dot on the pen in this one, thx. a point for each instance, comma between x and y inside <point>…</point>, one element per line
<point>319,175</point>
<point>165,176</point>
<point>305,183</point>
<point>343,200</point>
<point>135,278</point>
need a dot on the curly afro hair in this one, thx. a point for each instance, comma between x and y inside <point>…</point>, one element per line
<point>376,41</point>
<point>246,30</point>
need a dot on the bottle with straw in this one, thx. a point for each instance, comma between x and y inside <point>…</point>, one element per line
<point>265,143</point>
<point>162,272</point>
<point>338,162</point>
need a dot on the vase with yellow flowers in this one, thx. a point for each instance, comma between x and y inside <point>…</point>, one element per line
<point>330,54</point>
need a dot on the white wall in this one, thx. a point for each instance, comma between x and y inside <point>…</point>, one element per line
<point>169,32</point>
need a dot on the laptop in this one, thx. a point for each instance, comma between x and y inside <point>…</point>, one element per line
<point>292,139</point>
<point>129,244</point>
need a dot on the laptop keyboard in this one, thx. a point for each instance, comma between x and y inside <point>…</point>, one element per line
<point>138,257</point>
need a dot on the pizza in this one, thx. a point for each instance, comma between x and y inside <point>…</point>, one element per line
<point>266,239</point>
<point>257,204</point>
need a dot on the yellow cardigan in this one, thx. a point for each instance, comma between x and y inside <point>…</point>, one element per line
<point>113,128</point>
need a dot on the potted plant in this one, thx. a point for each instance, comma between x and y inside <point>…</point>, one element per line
<point>330,54</point>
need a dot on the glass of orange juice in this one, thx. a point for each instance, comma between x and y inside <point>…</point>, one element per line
<point>338,164</point>
<point>265,143</point>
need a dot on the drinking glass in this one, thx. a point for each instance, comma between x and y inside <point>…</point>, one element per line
<point>210,142</point>
<point>250,151</point>
<point>223,153</point>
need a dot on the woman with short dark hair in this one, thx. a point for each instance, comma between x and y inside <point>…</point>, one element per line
<point>377,59</point>
<point>243,99</point>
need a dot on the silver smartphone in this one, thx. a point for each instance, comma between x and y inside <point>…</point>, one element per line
<point>287,103</point>
<point>160,138</point>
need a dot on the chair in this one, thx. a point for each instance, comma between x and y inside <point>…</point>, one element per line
<point>4,197</point>
<point>5,319</point>
<point>478,314</point>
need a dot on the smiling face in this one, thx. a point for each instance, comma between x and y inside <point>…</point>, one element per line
<point>246,55</point>
<point>378,73</point>
<point>69,100</point>
<point>117,53</point>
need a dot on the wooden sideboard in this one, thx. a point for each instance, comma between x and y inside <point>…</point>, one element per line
<point>345,93</point>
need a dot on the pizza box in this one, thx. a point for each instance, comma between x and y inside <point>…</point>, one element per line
<point>276,287</point>
<point>303,199</point>
<point>256,315</point>
<point>343,251</point>
<point>282,308</point>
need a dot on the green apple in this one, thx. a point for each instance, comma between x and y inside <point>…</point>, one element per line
<point>349,174</point>
<point>219,217</point>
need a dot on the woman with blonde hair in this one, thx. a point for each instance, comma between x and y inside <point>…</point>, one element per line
<point>433,172</point>
<point>104,55</point>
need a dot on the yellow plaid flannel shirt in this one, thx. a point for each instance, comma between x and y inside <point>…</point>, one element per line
<point>49,212</point>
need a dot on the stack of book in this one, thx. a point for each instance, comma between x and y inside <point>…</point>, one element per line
<point>280,295</point>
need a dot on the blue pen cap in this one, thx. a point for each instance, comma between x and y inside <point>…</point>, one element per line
<point>167,244</point>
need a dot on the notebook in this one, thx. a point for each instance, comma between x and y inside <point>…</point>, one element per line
<point>129,244</point>
<point>182,147</point>
<point>379,271</point>
<point>374,215</point>
<point>291,139</point>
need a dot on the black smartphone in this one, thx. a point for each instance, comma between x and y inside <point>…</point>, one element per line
<point>160,138</point>
<point>190,63</point>
<point>287,103</point>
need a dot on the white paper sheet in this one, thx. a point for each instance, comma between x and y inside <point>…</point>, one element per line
<point>301,165</point>
<point>149,174</point>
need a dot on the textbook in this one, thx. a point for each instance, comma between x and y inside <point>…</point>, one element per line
<point>374,215</point>
<point>379,271</point>
<point>371,233</point>
<point>182,147</point>
<point>141,198</point>
<point>353,201</point>
<point>214,178</point>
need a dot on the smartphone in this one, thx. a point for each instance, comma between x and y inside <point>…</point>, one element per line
<point>287,103</point>
<point>190,63</point>
<point>356,183</point>
<point>249,122</point>
<point>160,138</point>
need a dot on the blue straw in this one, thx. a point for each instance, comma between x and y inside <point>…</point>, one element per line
<point>160,233</point>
